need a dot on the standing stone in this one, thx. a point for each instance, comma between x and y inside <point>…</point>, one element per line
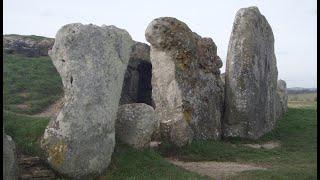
<point>9,158</point>
<point>91,61</point>
<point>135,124</point>
<point>251,77</point>
<point>282,97</point>
<point>137,81</point>
<point>186,85</point>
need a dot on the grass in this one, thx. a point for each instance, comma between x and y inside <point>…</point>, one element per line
<point>25,131</point>
<point>32,83</point>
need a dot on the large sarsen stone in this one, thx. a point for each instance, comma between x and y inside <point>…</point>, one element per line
<point>91,61</point>
<point>251,77</point>
<point>186,85</point>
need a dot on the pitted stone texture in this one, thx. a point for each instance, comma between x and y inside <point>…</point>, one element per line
<point>251,77</point>
<point>10,169</point>
<point>223,78</point>
<point>282,95</point>
<point>91,61</point>
<point>137,81</point>
<point>186,85</point>
<point>135,124</point>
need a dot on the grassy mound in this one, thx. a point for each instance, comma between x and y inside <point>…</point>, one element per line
<point>29,84</point>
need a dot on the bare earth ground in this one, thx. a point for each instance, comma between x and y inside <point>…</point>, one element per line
<point>53,110</point>
<point>31,167</point>
<point>267,145</point>
<point>217,170</point>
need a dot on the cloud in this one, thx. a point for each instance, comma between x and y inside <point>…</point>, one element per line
<point>47,13</point>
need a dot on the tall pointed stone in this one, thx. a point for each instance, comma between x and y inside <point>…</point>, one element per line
<point>91,61</point>
<point>186,85</point>
<point>251,77</point>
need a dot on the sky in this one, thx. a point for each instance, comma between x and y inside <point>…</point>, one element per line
<point>294,24</point>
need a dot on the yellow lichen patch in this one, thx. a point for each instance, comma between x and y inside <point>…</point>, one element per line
<point>57,152</point>
<point>241,83</point>
<point>182,66</point>
<point>187,116</point>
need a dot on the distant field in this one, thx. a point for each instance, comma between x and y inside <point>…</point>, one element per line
<point>302,97</point>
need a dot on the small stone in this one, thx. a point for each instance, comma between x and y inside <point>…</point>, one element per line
<point>10,168</point>
<point>282,98</point>
<point>135,124</point>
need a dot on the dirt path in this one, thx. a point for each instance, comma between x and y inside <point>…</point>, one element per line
<point>217,170</point>
<point>53,109</point>
<point>267,145</point>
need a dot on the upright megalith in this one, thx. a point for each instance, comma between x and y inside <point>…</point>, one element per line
<point>251,77</point>
<point>10,168</point>
<point>91,61</point>
<point>186,85</point>
<point>137,80</point>
<point>282,97</point>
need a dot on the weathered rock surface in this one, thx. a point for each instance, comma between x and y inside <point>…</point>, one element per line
<point>282,97</point>
<point>137,81</point>
<point>135,124</point>
<point>223,78</point>
<point>31,46</point>
<point>186,85</point>
<point>91,61</point>
<point>251,77</point>
<point>10,170</point>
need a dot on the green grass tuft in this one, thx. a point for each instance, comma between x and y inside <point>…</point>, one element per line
<point>25,131</point>
<point>32,82</point>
